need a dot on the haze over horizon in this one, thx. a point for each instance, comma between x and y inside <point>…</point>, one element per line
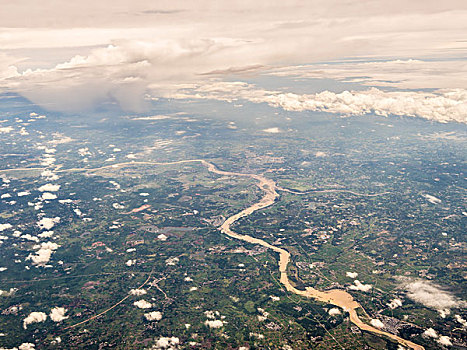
<point>392,57</point>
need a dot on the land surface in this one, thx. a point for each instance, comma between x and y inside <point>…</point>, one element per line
<point>237,237</point>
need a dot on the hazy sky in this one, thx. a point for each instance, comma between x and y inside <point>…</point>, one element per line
<point>76,55</point>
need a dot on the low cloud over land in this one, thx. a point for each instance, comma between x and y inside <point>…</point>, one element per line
<point>431,295</point>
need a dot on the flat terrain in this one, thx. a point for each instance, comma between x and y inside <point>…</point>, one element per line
<point>113,237</point>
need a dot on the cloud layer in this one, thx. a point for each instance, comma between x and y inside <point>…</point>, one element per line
<point>67,60</point>
<point>440,106</point>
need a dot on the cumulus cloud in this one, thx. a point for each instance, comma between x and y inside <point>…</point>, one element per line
<point>43,254</point>
<point>57,314</point>
<point>396,302</point>
<point>431,295</point>
<point>65,201</point>
<point>49,188</point>
<point>49,175</point>
<point>153,316</point>
<point>48,196</point>
<point>430,332</point>
<point>30,237</point>
<point>321,154</point>
<point>46,234</point>
<point>172,261</point>
<point>48,223</point>
<point>138,292</point>
<point>142,304</point>
<point>360,286</point>
<point>6,129</point>
<point>6,293</point>
<point>214,323</point>
<point>377,323</point>
<point>351,274</point>
<point>461,320</point>
<point>441,106</point>
<point>162,237</point>
<point>444,340</point>
<point>27,346</point>
<point>4,227</point>
<point>334,311</point>
<point>34,317</point>
<point>166,343</point>
<point>274,130</point>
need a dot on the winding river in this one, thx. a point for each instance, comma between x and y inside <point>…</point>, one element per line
<point>335,297</point>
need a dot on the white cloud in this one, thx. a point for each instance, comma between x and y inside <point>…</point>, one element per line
<point>444,340</point>
<point>162,237</point>
<point>461,320</point>
<point>214,323</point>
<point>57,314</point>
<point>142,304</point>
<point>48,223</point>
<point>431,295</point>
<point>430,332</point>
<point>46,234</point>
<point>140,50</point>
<point>441,106</point>
<point>49,188</point>
<point>65,201</point>
<point>48,160</point>
<point>166,343</point>
<point>360,286</point>
<point>321,154</point>
<point>43,254</point>
<point>30,237</point>
<point>153,316</point>
<point>274,130</point>
<point>211,314</point>
<point>432,199</point>
<point>6,129</point>
<point>48,196</point>
<point>351,274</point>
<point>138,292</point>
<point>396,302</point>
<point>23,193</point>
<point>376,323</point>
<point>334,311</point>
<point>172,261</point>
<point>27,346</point>
<point>404,74</point>
<point>4,227</point>
<point>49,175</point>
<point>6,293</point>
<point>34,317</point>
